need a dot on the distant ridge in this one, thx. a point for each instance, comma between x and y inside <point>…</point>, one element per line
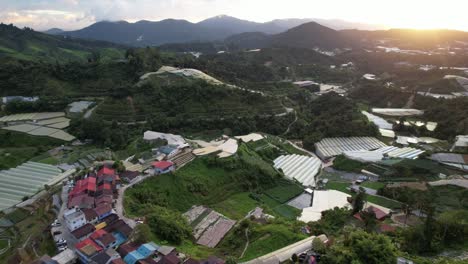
<point>54,31</point>
<point>153,33</point>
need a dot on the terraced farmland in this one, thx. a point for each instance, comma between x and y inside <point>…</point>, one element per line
<point>120,110</point>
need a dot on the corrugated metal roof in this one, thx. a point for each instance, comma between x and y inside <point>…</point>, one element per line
<point>24,180</point>
<point>329,147</point>
<point>302,168</point>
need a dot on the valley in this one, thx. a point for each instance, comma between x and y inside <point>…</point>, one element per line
<point>233,146</point>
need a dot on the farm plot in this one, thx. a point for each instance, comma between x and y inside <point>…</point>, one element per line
<point>23,181</point>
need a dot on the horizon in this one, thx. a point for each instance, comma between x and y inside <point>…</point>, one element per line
<point>374,27</point>
<point>76,14</point>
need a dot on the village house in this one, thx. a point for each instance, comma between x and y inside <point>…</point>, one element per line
<point>74,218</point>
<point>142,252</point>
<point>103,210</point>
<point>104,239</point>
<point>81,201</point>
<point>161,167</point>
<point>379,214</point>
<point>87,186</point>
<point>87,249</point>
<point>90,215</point>
<point>169,151</point>
<point>83,232</point>
<point>106,257</point>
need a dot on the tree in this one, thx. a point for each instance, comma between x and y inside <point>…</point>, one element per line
<point>369,219</point>
<point>231,260</point>
<point>168,225</point>
<point>359,200</point>
<point>141,233</point>
<point>318,246</point>
<point>362,247</point>
<point>119,166</point>
<point>332,221</point>
<point>294,258</point>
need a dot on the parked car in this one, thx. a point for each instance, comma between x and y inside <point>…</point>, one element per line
<point>60,241</point>
<point>62,248</point>
<point>56,233</point>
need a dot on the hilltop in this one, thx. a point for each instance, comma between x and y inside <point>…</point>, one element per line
<point>27,44</point>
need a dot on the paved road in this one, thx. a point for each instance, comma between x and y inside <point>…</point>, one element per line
<point>66,234</point>
<point>119,207</point>
<point>292,123</point>
<point>302,149</point>
<point>367,190</point>
<point>89,112</point>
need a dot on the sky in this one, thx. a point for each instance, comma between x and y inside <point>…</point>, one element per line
<point>76,14</point>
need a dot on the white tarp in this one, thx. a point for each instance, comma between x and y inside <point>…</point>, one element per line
<point>323,201</point>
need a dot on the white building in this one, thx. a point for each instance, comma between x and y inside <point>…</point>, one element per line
<point>74,218</point>
<point>460,142</point>
<point>171,139</point>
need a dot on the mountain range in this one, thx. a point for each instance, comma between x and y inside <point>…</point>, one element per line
<point>153,33</point>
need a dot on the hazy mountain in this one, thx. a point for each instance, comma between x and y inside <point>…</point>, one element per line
<point>54,31</point>
<point>143,33</point>
<point>309,35</point>
<point>236,26</point>
<point>312,35</point>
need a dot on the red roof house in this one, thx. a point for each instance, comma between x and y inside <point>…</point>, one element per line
<point>385,228</point>
<point>163,166</point>
<point>87,185</point>
<point>105,171</point>
<point>105,186</point>
<point>87,249</point>
<point>379,214</point>
<point>82,201</point>
<point>103,238</point>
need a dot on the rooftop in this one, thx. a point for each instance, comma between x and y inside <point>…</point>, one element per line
<point>162,165</point>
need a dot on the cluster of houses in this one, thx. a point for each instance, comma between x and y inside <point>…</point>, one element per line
<point>97,233</point>
<point>91,199</point>
<point>91,220</point>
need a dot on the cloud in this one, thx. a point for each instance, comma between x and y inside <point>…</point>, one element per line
<point>46,18</point>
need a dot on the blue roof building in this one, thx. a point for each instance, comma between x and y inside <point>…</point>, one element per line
<point>168,150</point>
<point>144,251</point>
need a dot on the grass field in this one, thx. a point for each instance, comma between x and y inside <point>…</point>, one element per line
<point>17,148</point>
<point>237,206</point>
<point>268,238</point>
<point>373,185</point>
<point>339,186</point>
<point>384,202</point>
<point>344,164</point>
<point>284,192</point>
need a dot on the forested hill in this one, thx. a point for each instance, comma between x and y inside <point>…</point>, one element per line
<point>27,44</point>
<point>306,36</point>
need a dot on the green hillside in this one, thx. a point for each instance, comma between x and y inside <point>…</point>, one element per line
<point>177,97</point>
<point>27,44</point>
